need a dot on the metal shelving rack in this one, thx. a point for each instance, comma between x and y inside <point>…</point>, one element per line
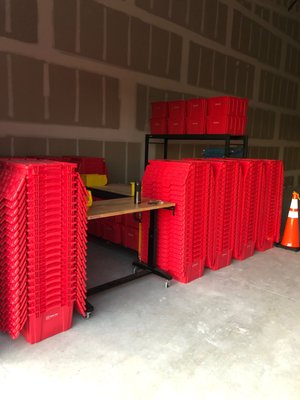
<point>164,140</point>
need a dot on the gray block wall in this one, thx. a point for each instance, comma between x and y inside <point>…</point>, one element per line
<point>78,76</point>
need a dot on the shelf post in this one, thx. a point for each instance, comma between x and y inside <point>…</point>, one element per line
<point>227,146</point>
<point>146,149</point>
<point>165,149</point>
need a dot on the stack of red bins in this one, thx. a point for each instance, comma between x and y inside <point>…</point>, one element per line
<point>221,215</point>
<point>13,290</point>
<point>175,253</point>
<point>177,117</point>
<point>159,117</point>
<point>55,252</point>
<point>248,206</point>
<point>151,189</point>
<point>180,246</point>
<point>224,209</point>
<point>269,216</point>
<point>110,229</point>
<point>122,230</point>
<point>196,116</point>
<point>130,231</point>
<point>202,199</point>
<point>227,115</point>
<point>88,165</point>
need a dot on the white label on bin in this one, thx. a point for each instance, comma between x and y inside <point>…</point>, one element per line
<point>51,316</point>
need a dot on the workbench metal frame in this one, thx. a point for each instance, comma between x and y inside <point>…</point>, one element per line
<point>140,268</point>
<point>164,140</point>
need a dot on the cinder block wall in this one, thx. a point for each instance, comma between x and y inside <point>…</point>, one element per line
<point>77,76</point>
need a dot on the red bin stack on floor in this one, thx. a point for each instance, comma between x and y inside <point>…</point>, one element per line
<point>225,208</point>
<point>249,184</point>
<point>196,116</point>
<point>181,243</point>
<point>46,255</point>
<point>221,215</point>
<point>269,217</point>
<point>159,117</point>
<point>13,289</point>
<point>177,116</point>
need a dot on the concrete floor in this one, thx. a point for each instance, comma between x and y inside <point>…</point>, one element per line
<point>233,334</point>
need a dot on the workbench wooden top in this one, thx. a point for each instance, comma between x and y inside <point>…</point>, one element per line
<point>126,205</point>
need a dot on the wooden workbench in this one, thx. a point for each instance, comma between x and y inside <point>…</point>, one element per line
<point>124,205</point>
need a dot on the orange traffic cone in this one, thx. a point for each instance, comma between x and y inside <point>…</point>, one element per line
<point>290,238</point>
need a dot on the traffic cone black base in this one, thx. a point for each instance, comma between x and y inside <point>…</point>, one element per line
<point>295,249</point>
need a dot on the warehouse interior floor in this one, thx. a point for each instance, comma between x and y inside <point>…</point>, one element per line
<point>233,334</point>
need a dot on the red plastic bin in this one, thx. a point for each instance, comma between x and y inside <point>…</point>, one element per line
<point>159,126</point>
<point>176,126</point>
<point>227,105</point>
<point>177,109</point>
<point>159,109</point>
<point>196,108</point>
<point>130,237</point>
<point>226,124</point>
<point>49,323</point>
<point>196,126</point>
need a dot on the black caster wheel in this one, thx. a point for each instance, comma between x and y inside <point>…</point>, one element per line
<point>167,284</point>
<point>88,315</point>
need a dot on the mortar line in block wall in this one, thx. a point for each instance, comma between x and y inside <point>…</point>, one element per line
<point>12,146</point>
<point>150,50</point>
<point>46,90</point>
<point>199,63</point>
<point>225,71</point>
<point>10,86</point>
<point>7,17</point>
<point>129,42</point>
<point>103,149</point>
<point>184,65</point>
<point>256,84</point>
<point>126,161</point>
<point>240,31</point>
<point>77,96</point>
<point>168,55</point>
<point>103,101</point>
<point>104,50</point>
<point>255,18</point>
<point>229,27</point>
<point>45,24</point>
<point>77,28</point>
<point>203,5</point>
<point>217,19</point>
<point>151,18</point>
<point>93,66</point>
<point>276,126</point>
<point>170,9</point>
<point>237,63</point>
<point>187,14</point>
<point>147,107</point>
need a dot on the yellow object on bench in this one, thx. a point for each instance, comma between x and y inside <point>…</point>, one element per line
<point>89,198</point>
<point>94,179</point>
